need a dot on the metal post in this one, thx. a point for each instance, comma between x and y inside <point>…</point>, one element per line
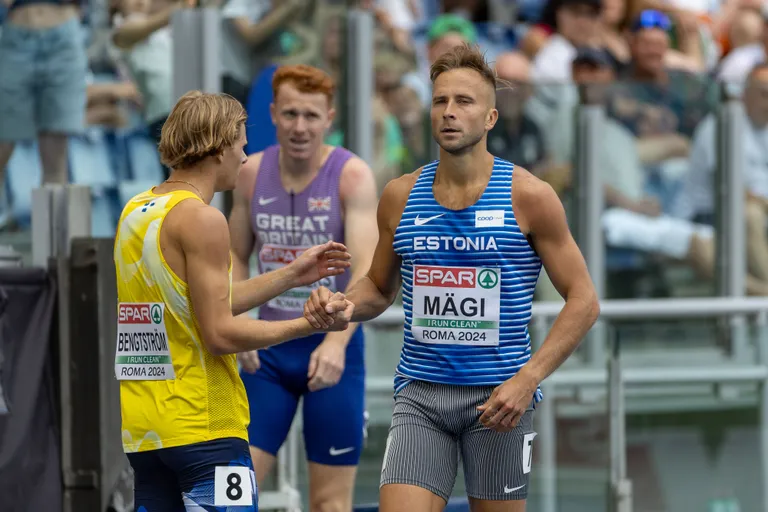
<point>196,37</point>
<point>589,210</point>
<point>360,31</point>
<point>730,225</point>
<point>762,346</point>
<point>59,214</point>
<point>547,426</point>
<point>620,498</point>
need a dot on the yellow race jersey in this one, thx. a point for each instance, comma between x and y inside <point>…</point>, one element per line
<point>173,392</point>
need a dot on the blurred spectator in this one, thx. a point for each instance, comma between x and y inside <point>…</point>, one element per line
<point>251,39</point>
<point>405,14</point>
<point>698,196</point>
<point>445,33</point>
<point>631,220</point>
<point>142,31</point>
<point>576,23</point>
<point>660,106</point>
<point>43,66</point>
<point>516,137</point>
<point>737,65</point>
<point>105,103</point>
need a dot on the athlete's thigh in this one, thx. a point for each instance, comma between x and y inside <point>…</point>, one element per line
<point>272,406</point>
<point>215,476</point>
<point>419,452</point>
<point>155,486</point>
<point>334,420</point>
<point>497,466</point>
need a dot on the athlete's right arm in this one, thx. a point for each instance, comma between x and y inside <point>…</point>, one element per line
<point>377,290</point>
<point>204,239</point>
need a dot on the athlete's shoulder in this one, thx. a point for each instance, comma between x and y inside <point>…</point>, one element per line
<point>357,181</point>
<point>197,221</point>
<point>402,185</point>
<point>533,199</point>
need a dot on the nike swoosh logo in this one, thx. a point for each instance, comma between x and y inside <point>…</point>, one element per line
<point>421,222</point>
<point>334,452</point>
<point>265,202</point>
<point>508,490</point>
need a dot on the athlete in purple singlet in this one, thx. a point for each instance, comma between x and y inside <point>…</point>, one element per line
<point>291,197</point>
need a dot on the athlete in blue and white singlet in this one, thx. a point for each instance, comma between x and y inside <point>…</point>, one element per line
<point>467,236</point>
<point>468,281</point>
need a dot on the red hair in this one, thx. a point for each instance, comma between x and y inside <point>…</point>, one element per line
<point>306,79</point>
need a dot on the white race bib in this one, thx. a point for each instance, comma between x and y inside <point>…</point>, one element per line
<point>142,342</point>
<point>274,257</point>
<point>456,305</point>
<point>233,486</point>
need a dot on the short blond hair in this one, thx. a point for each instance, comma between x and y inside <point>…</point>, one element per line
<point>200,125</point>
<point>464,57</point>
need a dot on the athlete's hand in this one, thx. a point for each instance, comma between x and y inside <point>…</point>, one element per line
<point>249,361</point>
<point>326,364</point>
<point>508,402</point>
<point>314,308</point>
<point>320,261</point>
<point>340,310</point>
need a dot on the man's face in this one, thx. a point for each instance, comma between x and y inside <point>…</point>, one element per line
<point>232,160</point>
<point>578,23</point>
<point>462,110</point>
<point>443,45</point>
<point>649,46</point>
<point>302,120</point>
<point>756,98</point>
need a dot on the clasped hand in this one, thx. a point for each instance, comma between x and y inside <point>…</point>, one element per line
<point>327,311</point>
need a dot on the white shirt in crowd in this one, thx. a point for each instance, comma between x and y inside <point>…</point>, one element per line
<point>698,195</point>
<point>150,64</point>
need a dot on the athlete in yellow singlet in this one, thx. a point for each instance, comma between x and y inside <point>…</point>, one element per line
<point>184,408</point>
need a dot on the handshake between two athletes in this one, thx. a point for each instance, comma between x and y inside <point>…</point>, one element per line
<point>326,310</point>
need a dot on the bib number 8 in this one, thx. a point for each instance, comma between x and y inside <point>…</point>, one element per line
<point>232,487</point>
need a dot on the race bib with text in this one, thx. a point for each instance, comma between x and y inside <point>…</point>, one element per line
<point>142,342</point>
<point>274,257</point>
<point>456,305</point>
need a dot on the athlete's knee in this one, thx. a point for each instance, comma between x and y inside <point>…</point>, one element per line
<point>331,502</point>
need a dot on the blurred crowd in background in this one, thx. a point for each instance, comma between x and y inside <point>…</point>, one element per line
<point>86,86</point>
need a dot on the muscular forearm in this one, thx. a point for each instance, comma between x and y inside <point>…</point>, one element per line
<point>242,334</point>
<point>369,301</point>
<point>572,324</point>
<point>254,292</point>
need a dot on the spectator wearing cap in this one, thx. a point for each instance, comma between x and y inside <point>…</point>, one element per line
<point>736,65</point>
<point>659,105</point>
<point>576,23</point>
<point>446,32</point>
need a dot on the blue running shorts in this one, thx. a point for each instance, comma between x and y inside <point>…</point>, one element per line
<point>334,418</point>
<point>214,476</point>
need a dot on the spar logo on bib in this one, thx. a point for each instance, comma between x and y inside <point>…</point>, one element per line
<point>456,277</point>
<point>140,314</point>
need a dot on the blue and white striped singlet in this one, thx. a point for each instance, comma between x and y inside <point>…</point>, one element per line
<point>468,282</point>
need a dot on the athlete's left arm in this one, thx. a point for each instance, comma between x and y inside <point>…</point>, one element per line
<point>566,268</point>
<point>537,206</point>
<point>357,191</point>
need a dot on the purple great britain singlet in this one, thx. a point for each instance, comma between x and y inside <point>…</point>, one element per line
<point>286,224</point>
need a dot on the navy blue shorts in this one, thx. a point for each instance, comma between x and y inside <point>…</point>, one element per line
<point>334,418</point>
<point>215,476</point>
